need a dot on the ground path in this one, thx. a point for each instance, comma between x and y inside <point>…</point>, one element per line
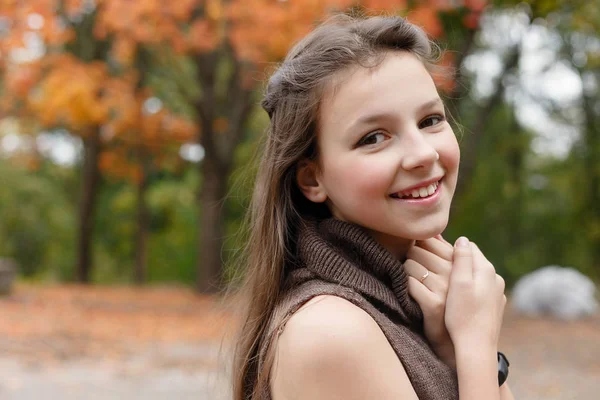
<point>72,342</point>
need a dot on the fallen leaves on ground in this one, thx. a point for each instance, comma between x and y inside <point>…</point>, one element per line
<point>66,321</point>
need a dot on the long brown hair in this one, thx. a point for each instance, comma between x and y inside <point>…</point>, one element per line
<point>278,208</point>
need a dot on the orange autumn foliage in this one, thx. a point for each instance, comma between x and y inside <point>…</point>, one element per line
<point>70,94</point>
<point>19,81</point>
<point>260,31</point>
<point>444,75</point>
<point>37,16</point>
<point>136,131</point>
<point>158,22</point>
<point>427,17</point>
<point>263,30</point>
<point>60,89</point>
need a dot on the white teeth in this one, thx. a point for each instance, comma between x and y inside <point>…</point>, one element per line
<point>420,192</point>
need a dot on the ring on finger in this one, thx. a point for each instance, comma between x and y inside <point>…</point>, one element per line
<point>424,276</point>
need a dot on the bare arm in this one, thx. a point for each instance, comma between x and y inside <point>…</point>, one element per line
<point>477,371</point>
<point>505,392</point>
<point>478,374</point>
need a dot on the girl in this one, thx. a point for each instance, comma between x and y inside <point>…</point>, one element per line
<point>352,292</point>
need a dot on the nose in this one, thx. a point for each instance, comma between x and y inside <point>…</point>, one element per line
<point>418,151</point>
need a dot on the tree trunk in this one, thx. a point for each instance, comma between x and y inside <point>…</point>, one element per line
<point>591,164</point>
<point>142,228</point>
<point>210,223</point>
<point>515,162</point>
<point>592,168</point>
<point>233,104</point>
<point>459,93</point>
<point>87,203</point>
<point>471,145</point>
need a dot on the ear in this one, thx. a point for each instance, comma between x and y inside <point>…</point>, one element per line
<point>308,182</point>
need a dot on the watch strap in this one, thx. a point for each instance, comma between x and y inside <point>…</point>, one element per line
<point>503,365</point>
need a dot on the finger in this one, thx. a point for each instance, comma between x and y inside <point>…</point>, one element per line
<point>428,301</point>
<point>462,262</point>
<point>416,270</point>
<point>500,283</point>
<point>433,282</point>
<point>441,238</point>
<point>481,265</point>
<point>441,249</point>
<point>429,260</point>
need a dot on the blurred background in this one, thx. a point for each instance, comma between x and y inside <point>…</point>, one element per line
<point>129,132</point>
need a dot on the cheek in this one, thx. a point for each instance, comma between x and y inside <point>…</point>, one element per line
<point>358,179</point>
<point>449,153</point>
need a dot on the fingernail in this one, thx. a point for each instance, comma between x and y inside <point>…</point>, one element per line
<point>462,242</point>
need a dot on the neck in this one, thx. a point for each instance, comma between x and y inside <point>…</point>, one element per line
<point>398,247</point>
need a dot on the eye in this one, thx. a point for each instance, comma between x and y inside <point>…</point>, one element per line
<point>432,121</point>
<point>372,138</point>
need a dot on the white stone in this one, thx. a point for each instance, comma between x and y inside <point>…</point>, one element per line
<point>562,292</point>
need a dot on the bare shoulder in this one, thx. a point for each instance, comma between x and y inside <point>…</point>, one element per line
<point>332,349</point>
<point>327,325</point>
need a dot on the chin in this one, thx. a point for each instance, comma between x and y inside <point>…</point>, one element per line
<point>433,230</point>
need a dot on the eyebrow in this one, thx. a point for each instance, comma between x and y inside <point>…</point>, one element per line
<point>370,118</point>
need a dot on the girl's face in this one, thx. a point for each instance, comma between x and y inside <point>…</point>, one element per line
<point>388,159</point>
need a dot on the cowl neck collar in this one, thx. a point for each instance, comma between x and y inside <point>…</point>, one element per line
<point>346,254</point>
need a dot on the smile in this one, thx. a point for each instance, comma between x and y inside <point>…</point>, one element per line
<point>418,194</point>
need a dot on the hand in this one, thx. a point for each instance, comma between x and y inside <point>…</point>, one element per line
<point>475,302</point>
<point>433,255</point>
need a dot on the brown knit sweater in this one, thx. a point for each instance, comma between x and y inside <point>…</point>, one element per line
<point>341,259</point>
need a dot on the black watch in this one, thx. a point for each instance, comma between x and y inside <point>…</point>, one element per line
<point>502,368</point>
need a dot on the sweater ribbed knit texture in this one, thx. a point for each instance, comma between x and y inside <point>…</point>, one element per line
<point>342,259</point>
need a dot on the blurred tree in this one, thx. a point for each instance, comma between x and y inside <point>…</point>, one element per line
<point>149,143</point>
<point>59,70</point>
<point>577,24</point>
<point>581,49</point>
<point>523,206</point>
<point>37,220</point>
